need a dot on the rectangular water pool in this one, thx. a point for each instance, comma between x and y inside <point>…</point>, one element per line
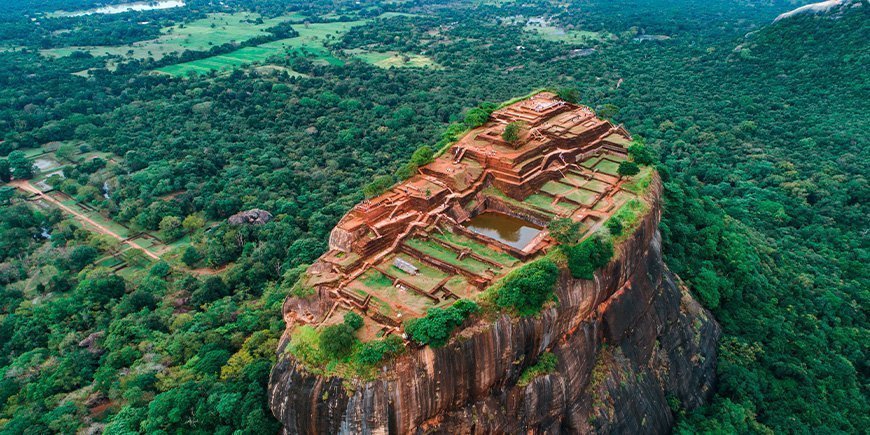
<point>509,230</point>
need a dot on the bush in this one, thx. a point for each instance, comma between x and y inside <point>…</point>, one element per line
<point>615,226</point>
<point>378,186</point>
<point>526,289</point>
<point>476,117</point>
<point>565,230</point>
<point>547,363</point>
<point>439,323</point>
<point>511,132</point>
<point>336,341</point>
<point>374,352</point>
<point>354,320</point>
<point>586,257</point>
<point>627,169</point>
<point>641,154</point>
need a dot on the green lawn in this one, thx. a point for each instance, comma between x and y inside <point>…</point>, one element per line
<point>448,256</point>
<point>199,35</point>
<point>581,196</point>
<point>607,166</point>
<point>310,42</point>
<point>476,247</point>
<point>556,188</point>
<point>543,202</point>
<point>392,59</point>
<point>551,32</point>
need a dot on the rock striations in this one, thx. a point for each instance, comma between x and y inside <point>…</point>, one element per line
<point>631,347</point>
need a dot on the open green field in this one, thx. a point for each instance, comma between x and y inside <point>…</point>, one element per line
<point>544,30</point>
<point>200,35</point>
<point>393,59</point>
<point>427,278</point>
<point>310,42</point>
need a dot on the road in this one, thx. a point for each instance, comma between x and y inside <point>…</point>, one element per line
<point>27,187</point>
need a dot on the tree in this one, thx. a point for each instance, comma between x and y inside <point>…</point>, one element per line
<point>526,289</point>
<point>614,225</point>
<point>627,169</point>
<point>193,222</point>
<point>170,226</point>
<point>435,328</point>
<point>422,155</point>
<point>640,154</point>
<point>5,171</point>
<point>354,320</point>
<point>570,95</point>
<point>587,256</point>
<point>191,256</point>
<point>378,186</point>
<point>476,117</point>
<point>22,167</point>
<point>212,289</point>
<point>336,341</point>
<point>511,132</point>
<point>65,151</point>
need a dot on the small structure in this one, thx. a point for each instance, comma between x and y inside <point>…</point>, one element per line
<point>253,216</point>
<point>406,267</point>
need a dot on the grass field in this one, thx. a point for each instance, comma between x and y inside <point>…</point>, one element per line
<point>391,59</point>
<point>543,202</point>
<point>200,35</point>
<point>547,31</point>
<point>607,166</point>
<point>310,42</point>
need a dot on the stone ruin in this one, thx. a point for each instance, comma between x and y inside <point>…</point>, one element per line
<point>562,166</point>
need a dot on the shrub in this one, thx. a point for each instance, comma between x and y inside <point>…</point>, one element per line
<point>526,289</point>
<point>547,363</point>
<point>336,341</point>
<point>615,226</point>
<point>436,327</point>
<point>378,186</point>
<point>511,132</point>
<point>565,230</point>
<point>476,117</point>
<point>640,154</point>
<point>568,94</point>
<point>589,255</point>
<point>627,169</point>
<point>374,352</point>
<point>354,320</point>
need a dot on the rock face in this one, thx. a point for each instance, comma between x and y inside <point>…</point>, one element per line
<point>254,216</point>
<point>630,344</point>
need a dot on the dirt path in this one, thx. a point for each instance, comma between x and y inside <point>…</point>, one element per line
<point>27,187</point>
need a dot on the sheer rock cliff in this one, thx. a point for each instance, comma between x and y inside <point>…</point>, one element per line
<point>632,346</point>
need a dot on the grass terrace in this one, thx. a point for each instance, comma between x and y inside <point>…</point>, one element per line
<point>438,251</point>
<point>478,248</point>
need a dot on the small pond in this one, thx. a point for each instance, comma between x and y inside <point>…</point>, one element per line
<point>509,230</point>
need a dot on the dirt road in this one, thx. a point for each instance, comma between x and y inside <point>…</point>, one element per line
<point>27,187</point>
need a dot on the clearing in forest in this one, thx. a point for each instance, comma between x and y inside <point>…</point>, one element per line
<point>199,35</point>
<point>310,42</point>
<point>391,59</point>
<point>544,29</point>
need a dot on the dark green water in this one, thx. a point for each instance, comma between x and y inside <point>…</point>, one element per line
<point>506,229</point>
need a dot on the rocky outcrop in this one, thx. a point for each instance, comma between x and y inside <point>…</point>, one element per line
<point>631,345</point>
<point>253,216</point>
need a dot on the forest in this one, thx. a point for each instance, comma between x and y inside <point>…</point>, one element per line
<point>759,130</point>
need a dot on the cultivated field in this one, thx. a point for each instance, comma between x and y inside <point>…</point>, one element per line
<point>200,35</point>
<point>310,42</point>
